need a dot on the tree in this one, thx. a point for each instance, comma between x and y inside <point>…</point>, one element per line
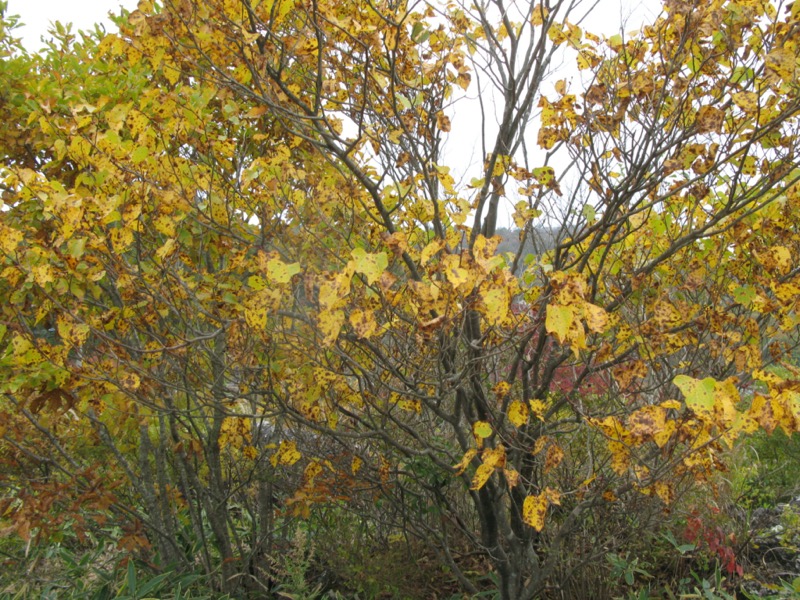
<point>238,263</point>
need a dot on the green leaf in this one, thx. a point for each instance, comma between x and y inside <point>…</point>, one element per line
<point>544,175</point>
<point>699,394</point>
<point>256,282</point>
<point>476,182</point>
<point>131,582</point>
<point>369,265</point>
<point>629,577</point>
<point>418,33</point>
<point>76,247</point>
<point>281,272</point>
<point>482,429</point>
<point>744,295</point>
<point>139,154</point>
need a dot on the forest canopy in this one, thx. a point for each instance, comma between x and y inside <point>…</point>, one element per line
<point>243,289</point>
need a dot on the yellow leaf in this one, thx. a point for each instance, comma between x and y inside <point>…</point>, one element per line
<point>644,423</point>
<point>596,318</point>
<point>355,465</point>
<point>235,431</point>
<point>121,239</point>
<point>130,381</point>
<point>540,444</point>
<point>167,249</point>
<point>782,62</point>
<point>501,389</point>
<point>512,477</point>
<point>218,209</point>
<point>464,462</point>
<point>456,274</point>
<point>559,320</point>
<point>518,413</point>
<point>747,101</point>
<point>553,496</point>
<point>482,474</point>
<point>534,510</point>
<point>278,9</point>
<point>709,119</point>
<point>9,238</point>
<point>410,405</point>
<point>790,420</point>
<point>363,322</point>
<point>625,373</point>
<point>24,352</point>
<point>785,292</point>
<point>726,397</point>
<point>165,225</point>
<point>391,38</point>
<point>783,259</point>
<point>485,255</point>
<point>538,14</point>
<point>763,411</point>
<point>287,454</point>
<point>553,458</point>
<point>556,33</point>
<point>771,379</point>
<point>538,408</point>
<point>495,302</point>
<point>330,324</point>
<point>620,457</point>
<point>256,317</point>
<point>494,457</point>
<point>429,251</point>
<point>311,471</point>
<point>663,435</point>
<point>500,165</point>
<point>664,491</point>
<point>43,274</point>
<point>329,296</point>
<point>749,166</point>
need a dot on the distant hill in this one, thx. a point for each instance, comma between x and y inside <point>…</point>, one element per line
<point>543,239</point>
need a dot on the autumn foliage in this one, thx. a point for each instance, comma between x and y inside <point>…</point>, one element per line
<point>243,281</point>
